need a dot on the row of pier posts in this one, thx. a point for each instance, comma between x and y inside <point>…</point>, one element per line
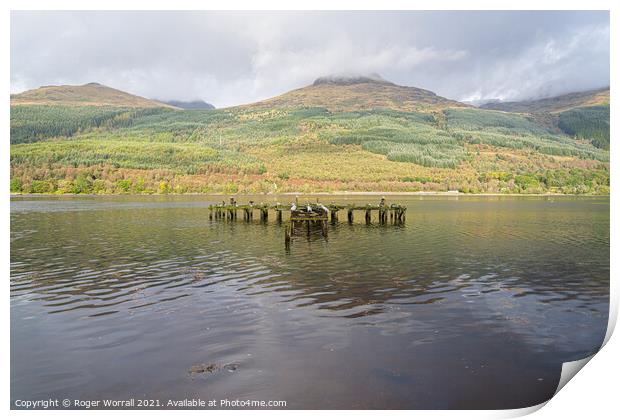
<point>396,214</point>
<point>230,213</point>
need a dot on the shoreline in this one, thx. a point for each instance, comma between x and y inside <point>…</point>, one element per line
<point>338,193</point>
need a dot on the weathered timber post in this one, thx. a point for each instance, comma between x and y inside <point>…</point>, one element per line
<point>396,215</point>
<point>334,215</point>
<point>288,230</point>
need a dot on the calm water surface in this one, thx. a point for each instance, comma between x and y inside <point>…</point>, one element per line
<point>473,303</point>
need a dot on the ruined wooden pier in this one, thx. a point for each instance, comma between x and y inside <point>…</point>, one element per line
<point>307,214</point>
<point>395,213</point>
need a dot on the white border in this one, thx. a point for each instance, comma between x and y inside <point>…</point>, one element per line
<point>592,394</point>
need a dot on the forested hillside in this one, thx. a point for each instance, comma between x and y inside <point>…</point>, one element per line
<point>331,136</point>
<point>30,123</point>
<point>584,115</point>
<point>589,123</point>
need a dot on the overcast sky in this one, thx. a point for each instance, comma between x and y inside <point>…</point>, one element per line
<point>229,58</point>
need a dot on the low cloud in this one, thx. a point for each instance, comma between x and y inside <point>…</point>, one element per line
<point>576,62</point>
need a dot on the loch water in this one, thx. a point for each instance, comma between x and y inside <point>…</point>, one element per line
<point>474,302</point>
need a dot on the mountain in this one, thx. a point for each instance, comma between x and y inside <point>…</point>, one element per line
<point>199,104</point>
<point>554,104</point>
<point>90,94</point>
<point>356,93</point>
<point>341,133</point>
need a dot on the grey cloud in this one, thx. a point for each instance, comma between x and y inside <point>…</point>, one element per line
<point>229,58</point>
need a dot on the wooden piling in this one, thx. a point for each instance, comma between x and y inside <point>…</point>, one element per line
<point>334,214</point>
<point>287,234</point>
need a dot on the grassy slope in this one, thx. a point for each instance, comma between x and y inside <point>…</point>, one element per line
<point>352,144</point>
<point>90,94</point>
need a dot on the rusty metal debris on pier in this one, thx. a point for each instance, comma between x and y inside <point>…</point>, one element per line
<point>307,215</point>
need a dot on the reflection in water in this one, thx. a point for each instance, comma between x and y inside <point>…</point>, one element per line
<point>473,303</point>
